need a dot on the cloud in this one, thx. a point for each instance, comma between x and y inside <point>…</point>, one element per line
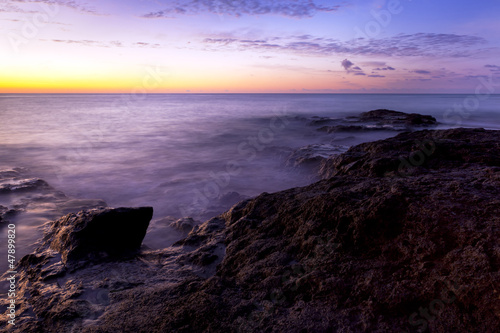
<point>64,3</point>
<point>346,64</point>
<point>420,44</point>
<point>108,44</point>
<point>376,75</point>
<point>388,68</point>
<point>350,68</point>
<point>373,63</point>
<point>420,71</point>
<point>238,8</point>
<point>10,8</point>
<point>493,68</point>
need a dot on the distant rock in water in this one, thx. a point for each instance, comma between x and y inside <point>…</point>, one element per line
<point>401,236</point>
<point>384,117</point>
<point>376,120</point>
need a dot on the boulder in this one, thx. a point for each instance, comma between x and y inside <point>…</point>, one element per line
<point>99,233</point>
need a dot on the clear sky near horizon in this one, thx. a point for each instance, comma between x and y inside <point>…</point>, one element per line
<point>255,46</point>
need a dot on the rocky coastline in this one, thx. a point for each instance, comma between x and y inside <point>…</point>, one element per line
<point>399,235</point>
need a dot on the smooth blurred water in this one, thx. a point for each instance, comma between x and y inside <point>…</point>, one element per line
<point>161,150</point>
<point>185,155</point>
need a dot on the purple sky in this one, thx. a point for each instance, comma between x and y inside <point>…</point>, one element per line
<point>248,46</point>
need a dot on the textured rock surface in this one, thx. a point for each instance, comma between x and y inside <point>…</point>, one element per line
<point>374,247</point>
<point>99,233</point>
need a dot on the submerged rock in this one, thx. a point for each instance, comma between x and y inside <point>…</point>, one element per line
<point>364,250</point>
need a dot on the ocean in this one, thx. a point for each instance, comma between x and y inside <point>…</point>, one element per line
<point>189,154</point>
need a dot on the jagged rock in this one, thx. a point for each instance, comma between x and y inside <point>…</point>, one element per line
<point>416,153</point>
<point>99,232</point>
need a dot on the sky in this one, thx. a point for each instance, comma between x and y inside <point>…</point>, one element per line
<point>248,46</point>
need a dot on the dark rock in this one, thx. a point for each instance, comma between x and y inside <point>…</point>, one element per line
<point>376,120</point>
<point>99,233</point>
<point>19,185</point>
<point>416,153</point>
<point>383,116</point>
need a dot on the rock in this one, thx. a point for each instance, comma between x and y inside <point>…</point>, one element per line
<point>364,250</point>
<point>29,203</point>
<point>383,116</point>
<point>435,150</point>
<point>376,120</point>
<point>311,156</point>
<point>18,185</point>
<point>184,225</point>
<point>98,233</point>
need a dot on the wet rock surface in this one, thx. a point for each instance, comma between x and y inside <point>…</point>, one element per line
<point>382,244</point>
<point>312,156</point>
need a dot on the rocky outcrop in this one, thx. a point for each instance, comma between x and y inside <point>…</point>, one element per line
<point>385,117</point>
<point>99,233</point>
<point>416,153</point>
<point>374,247</point>
<point>376,120</point>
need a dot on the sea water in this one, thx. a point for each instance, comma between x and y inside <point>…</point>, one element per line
<point>189,154</point>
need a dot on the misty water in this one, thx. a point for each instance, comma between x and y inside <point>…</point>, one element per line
<point>193,154</point>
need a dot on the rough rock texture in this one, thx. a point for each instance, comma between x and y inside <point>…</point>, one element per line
<point>374,247</point>
<point>99,233</point>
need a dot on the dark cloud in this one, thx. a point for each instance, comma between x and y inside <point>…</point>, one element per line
<point>493,68</point>
<point>350,68</point>
<point>346,64</point>
<point>376,75</point>
<point>421,71</point>
<point>289,8</point>
<point>420,44</point>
